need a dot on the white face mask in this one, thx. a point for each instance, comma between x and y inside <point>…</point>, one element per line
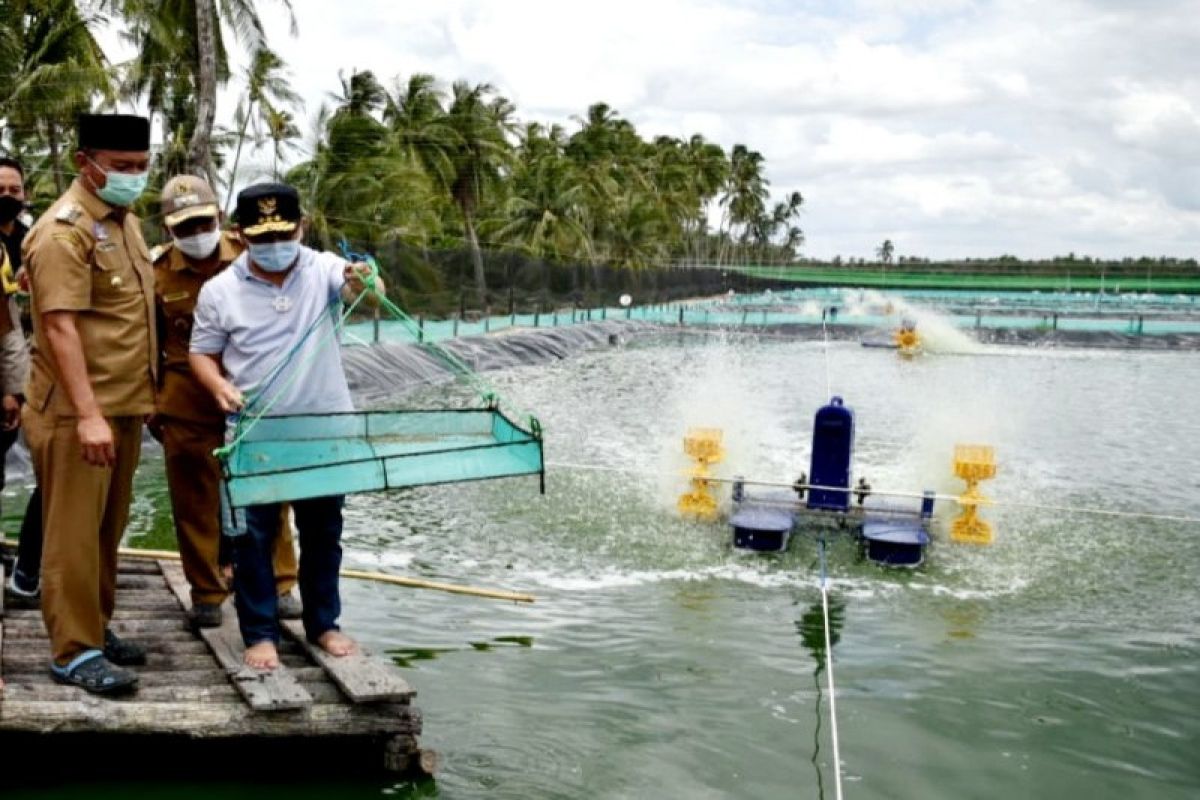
<point>200,246</point>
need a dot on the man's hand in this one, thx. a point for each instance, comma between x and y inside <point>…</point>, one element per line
<point>356,283</point>
<point>228,397</point>
<point>12,412</point>
<point>356,274</point>
<point>96,439</point>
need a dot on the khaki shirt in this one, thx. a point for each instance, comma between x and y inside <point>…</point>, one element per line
<point>83,256</point>
<point>177,283</point>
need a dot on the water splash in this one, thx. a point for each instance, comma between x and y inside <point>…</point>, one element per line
<point>938,333</point>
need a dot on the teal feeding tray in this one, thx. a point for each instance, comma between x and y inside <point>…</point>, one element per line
<point>296,457</point>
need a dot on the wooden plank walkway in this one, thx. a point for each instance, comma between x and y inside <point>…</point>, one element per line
<point>277,690</point>
<point>199,688</point>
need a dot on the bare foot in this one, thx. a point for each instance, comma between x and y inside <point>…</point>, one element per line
<point>336,643</point>
<point>262,655</point>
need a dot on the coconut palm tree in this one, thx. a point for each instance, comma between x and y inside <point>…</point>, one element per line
<point>282,131</point>
<point>708,167</point>
<point>359,188</point>
<point>268,95</point>
<point>746,193</point>
<point>417,118</point>
<point>51,70</point>
<point>640,237</point>
<point>885,251</point>
<point>480,153</point>
<point>182,53</point>
<point>362,94</point>
<point>544,213</point>
<point>616,165</point>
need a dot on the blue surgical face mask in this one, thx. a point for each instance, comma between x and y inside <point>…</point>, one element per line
<point>274,256</point>
<point>121,188</point>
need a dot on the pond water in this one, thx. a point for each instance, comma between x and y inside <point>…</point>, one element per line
<point>1062,661</point>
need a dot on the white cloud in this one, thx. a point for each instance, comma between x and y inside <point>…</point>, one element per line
<point>955,127</point>
<point>1164,123</point>
<point>855,144</point>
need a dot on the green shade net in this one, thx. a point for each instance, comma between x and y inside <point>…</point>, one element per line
<point>281,458</point>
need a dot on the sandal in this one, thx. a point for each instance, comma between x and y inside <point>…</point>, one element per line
<point>122,651</point>
<point>91,671</point>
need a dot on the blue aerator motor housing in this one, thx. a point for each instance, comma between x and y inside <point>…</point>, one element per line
<point>832,456</point>
<point>895,542</point>
<point>765,530</point>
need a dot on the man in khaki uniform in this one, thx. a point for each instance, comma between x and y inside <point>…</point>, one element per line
<point>189,423</point>
<point>90,387</point>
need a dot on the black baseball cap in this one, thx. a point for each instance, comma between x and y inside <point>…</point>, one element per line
<point>268,208</point>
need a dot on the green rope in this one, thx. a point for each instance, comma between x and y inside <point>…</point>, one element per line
<point>246,422</point>
<point>487,393</point>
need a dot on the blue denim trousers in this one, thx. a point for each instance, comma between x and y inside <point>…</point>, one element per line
<point>319,524</point>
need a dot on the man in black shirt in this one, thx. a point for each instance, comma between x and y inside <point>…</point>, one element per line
<point>14,370</point>
<point>12,207</point>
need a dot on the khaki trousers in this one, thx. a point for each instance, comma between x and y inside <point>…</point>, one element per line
<point>194,482</point>
<point>84,513</point>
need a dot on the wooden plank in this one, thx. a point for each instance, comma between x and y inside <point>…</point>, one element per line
<point>162,602</point>
<point>173,631</point>
<point>150,612</point>
<point>37,659</point>
<point>2,583</point>
<point>221,692</point>
<point>363,678</point>
<point>218,690</point>
<point>194,654</point>
<point>126,580</point>
<point>263,690</point>
<point>207,676</point>
<point>153,647</point>
<point>402,754</point>
<point>177,583</point>
<point>138,566</point>
<point>92,714</point>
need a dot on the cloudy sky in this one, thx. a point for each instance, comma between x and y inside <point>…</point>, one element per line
<point>952,127</point>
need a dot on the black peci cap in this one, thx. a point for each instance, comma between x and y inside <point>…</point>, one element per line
<point>124,132</point>
<point>268,208</point>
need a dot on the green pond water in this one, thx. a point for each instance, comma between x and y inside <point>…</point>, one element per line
<point>1061,662</point>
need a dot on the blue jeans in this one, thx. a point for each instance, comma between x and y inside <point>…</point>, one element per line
<point>319,523</point>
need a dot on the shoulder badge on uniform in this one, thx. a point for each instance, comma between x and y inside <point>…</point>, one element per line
<point>69,213</point>
<point>157,252</point>
<point>174,297</point>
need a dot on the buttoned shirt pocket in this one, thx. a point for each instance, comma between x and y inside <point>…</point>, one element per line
<point>177,309</point>
<point>113,275</point>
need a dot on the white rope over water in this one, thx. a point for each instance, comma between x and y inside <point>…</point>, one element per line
<point>833,727</point>
<point>825,350</point>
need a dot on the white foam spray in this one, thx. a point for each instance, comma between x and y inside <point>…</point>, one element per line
<point>938,334</point>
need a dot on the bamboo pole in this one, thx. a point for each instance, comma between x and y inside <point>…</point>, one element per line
<point>378,577</point>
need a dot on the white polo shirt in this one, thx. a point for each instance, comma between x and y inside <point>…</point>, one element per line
<point>254,325</point>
